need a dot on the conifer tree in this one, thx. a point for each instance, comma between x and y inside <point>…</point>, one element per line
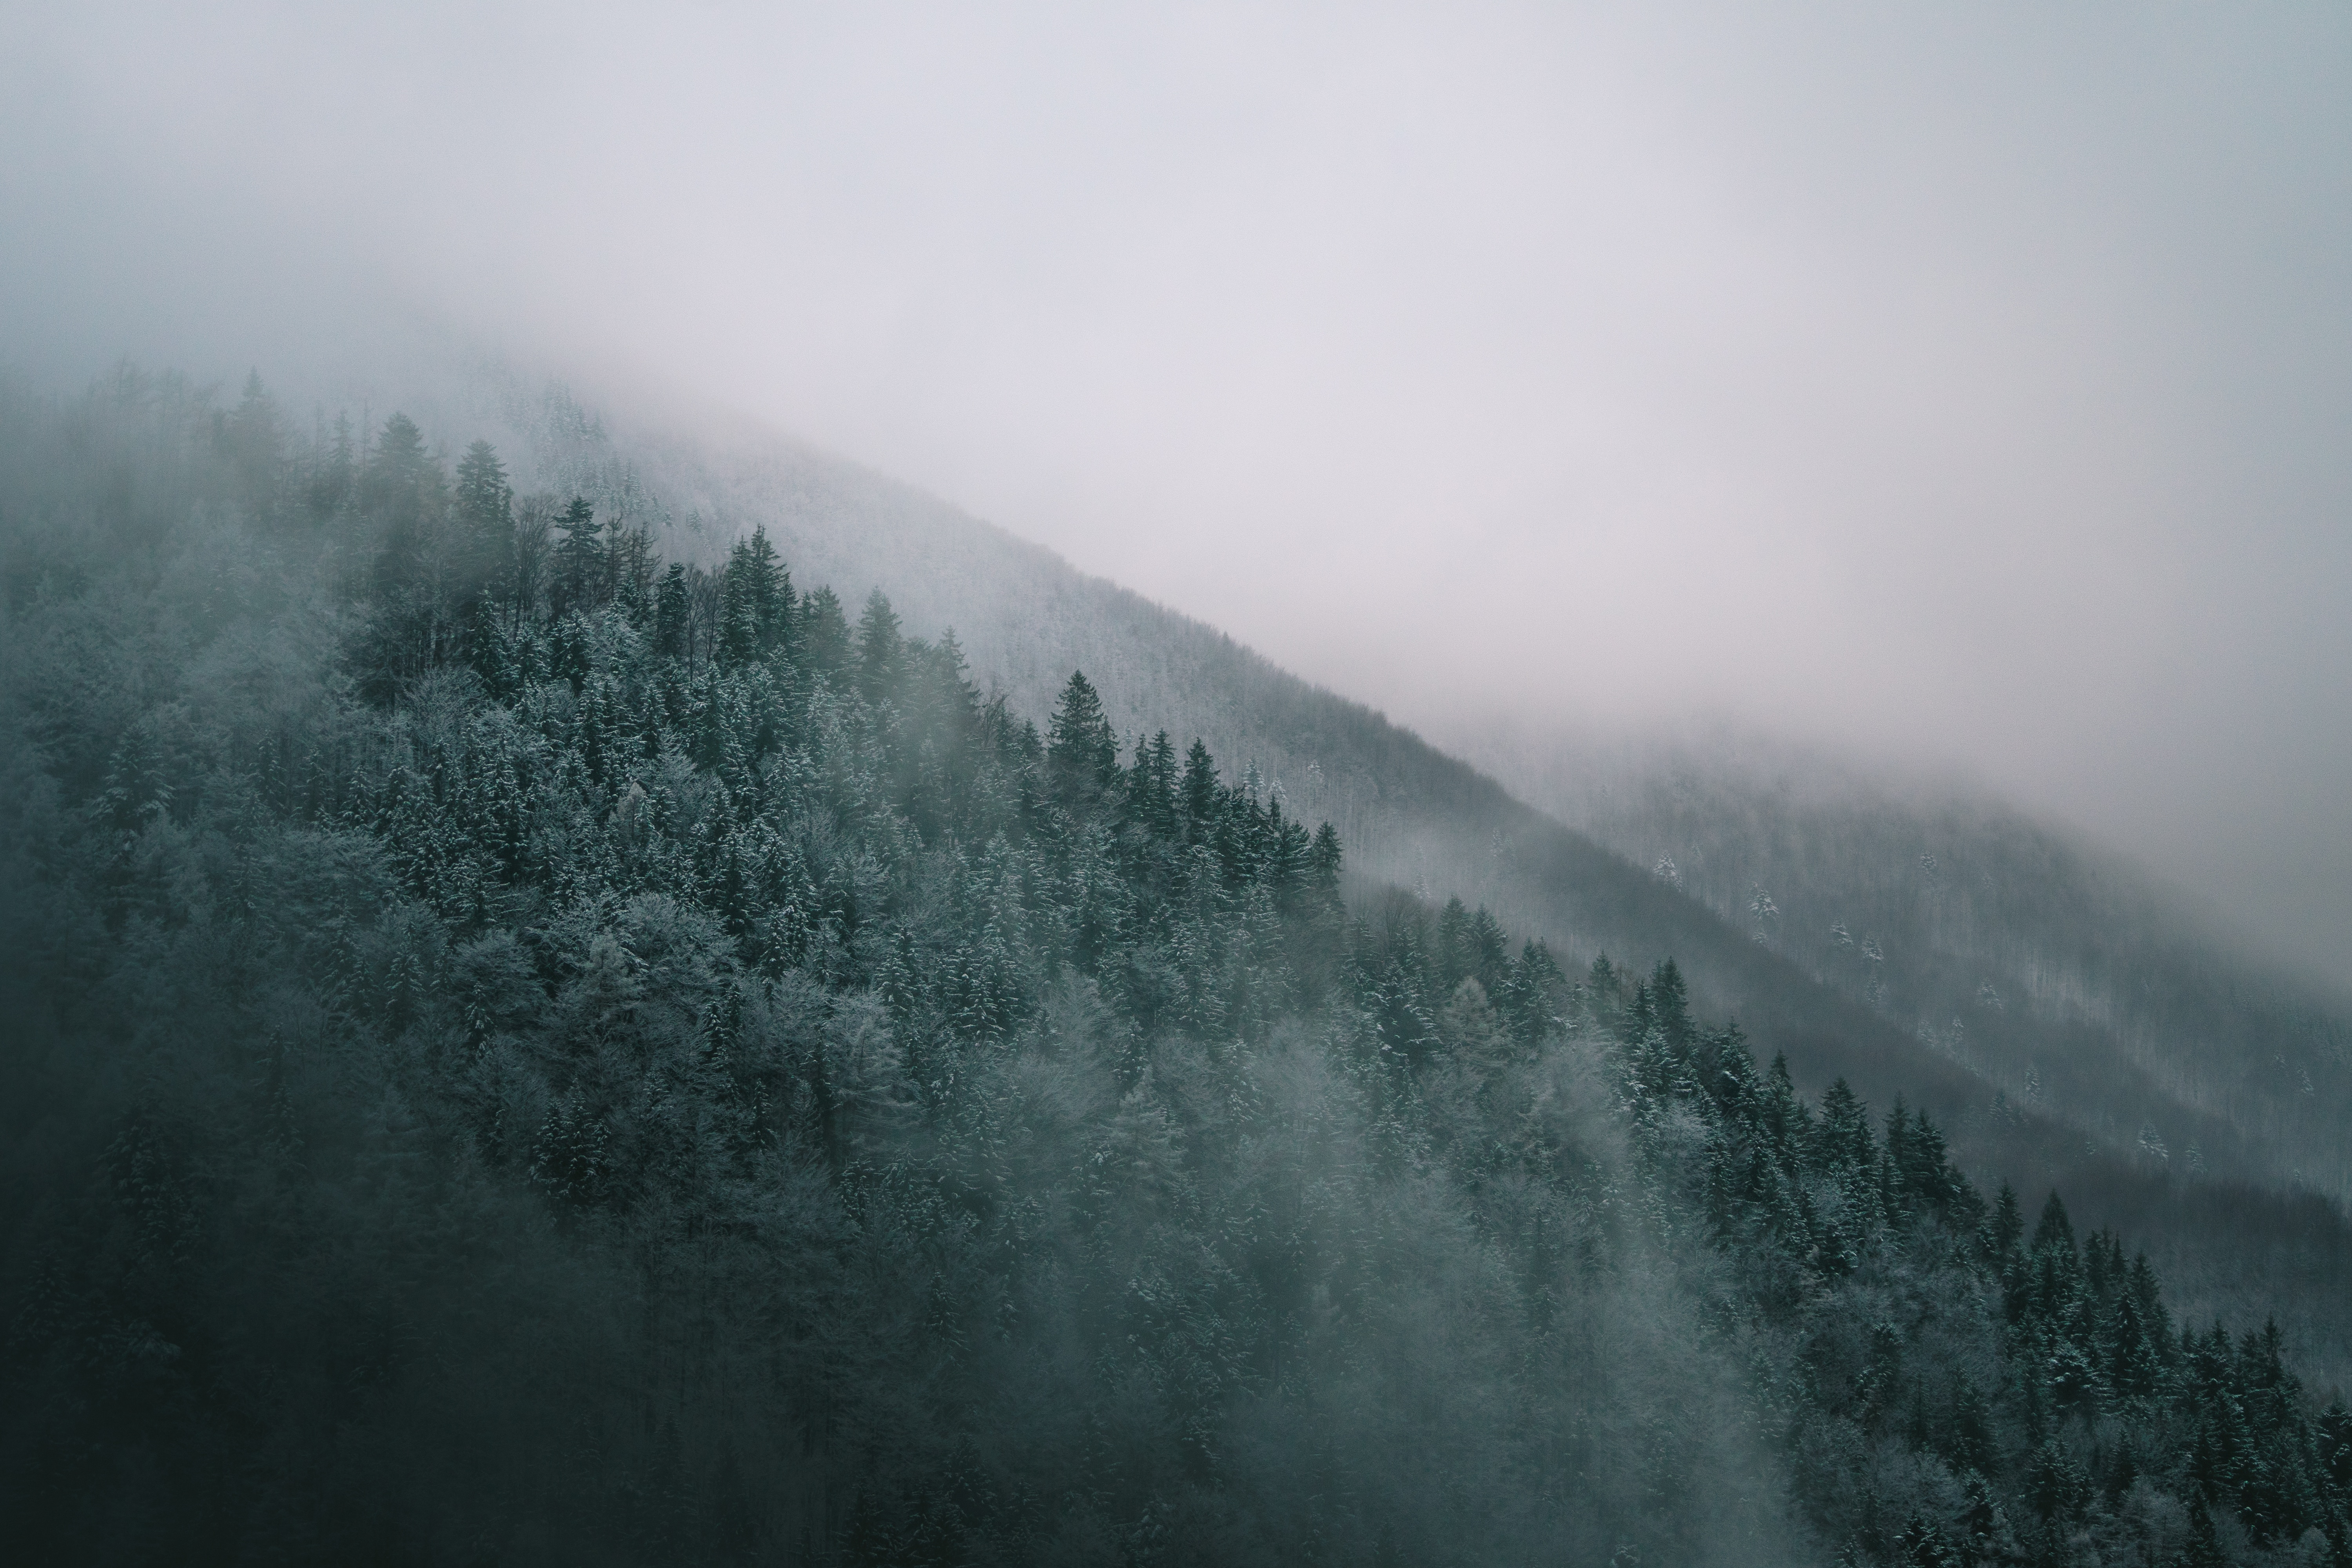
<point>769,588</point>
<point>2007,1224</point>
<point>1160,768</point>
<point>824,631</point>
<point>630,563</point>
<point>395,474</point>
<point>398,488</point>
<point>1323,861</point>
<point>1453,944</point>
<point>672,608</point>
<point>580,568</point>
<point>1198,794</point>
<point>257,446</point>
<point>1486,954</point>
<point>1079,745</point>
<point>755,602</point>
<point>332,481</point>
<point>484,505</point>
<point>879,649</point>
<point>1669,1002</point>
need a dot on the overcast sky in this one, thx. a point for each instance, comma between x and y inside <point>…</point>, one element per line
<point>1967,383</point>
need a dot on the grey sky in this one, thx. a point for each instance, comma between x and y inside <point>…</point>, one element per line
<point>1963,383</point>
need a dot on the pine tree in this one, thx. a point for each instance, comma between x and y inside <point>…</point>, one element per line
<point>1844,1139</point>
<point>397,475</point>
<point>1323,861</point>
<point>1080,748</point>
<point>485,517</point>
<point>1670,1002</point>
<point>580,569</point>
<point>399,488</point>
<point>767,586</point>
<point>331,483</point>
<point>672,607</point>
<point>629,569</point>
<point>2204,1549</point>
<point>255,443</point>
<point>878,649</point>
<point>1139,783</point>
<point>825,632</point>
<point>1165,771</point>
<point>1200,798</point>
<point>755,602</point>
<point>1452,950</point>
<point>2007,1227</point>
<point>1487,955</point>
<point>2054,1230</point>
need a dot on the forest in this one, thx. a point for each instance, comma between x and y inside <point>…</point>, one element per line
<point>523,1049</point>
<point>2099,1024</point>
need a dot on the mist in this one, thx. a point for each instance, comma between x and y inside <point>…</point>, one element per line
<point>911,788</point>
<point>1964,391</point>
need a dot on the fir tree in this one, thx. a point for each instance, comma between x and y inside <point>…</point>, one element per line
<point>755,602</point>
<point>580,566</point>
<point>398,488</point>
<point>333,481</point>
<point>672,608</point>
<point>878,649</point>
<point>824,630</point>
<point>1079,745</point>
<point>483,506</point>
<point>1198,794</point>
<point>1324,860</point>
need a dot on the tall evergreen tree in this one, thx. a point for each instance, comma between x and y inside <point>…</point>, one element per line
<point>1323,860</point>
<point>333,481</point>
<point>1200,794</point>
<point>755,602</point>
<point>483,509</point>
<point>768,587</point>
<point>879,649</point>
<point>824,631</point>
<point>398,476</point>
<point>630,564</point>
<point>580,566</point>
<point>256,441</point>
<point>673,607</point>
<point>1080,747</point>
<point>399,488</point>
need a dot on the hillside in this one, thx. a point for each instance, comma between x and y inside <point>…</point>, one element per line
<point>2179,1050</point>
<point>2058,972</point>
<point>525,1048</point>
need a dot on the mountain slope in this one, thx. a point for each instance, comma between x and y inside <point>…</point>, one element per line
<point>504,1063</point>
<point>2057,972</point>
<point>1411,815</point>
<point>1418,817</point>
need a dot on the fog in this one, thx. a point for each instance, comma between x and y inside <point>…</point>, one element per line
<point>1962,389</point>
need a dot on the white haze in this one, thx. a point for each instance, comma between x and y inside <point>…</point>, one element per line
<point>1967,385</point>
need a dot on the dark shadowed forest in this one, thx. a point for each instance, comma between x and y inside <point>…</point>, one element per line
<point>519,1049</point>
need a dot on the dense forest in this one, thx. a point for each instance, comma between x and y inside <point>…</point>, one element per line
<point>2054,1087</point>
<point>519,1049</point>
